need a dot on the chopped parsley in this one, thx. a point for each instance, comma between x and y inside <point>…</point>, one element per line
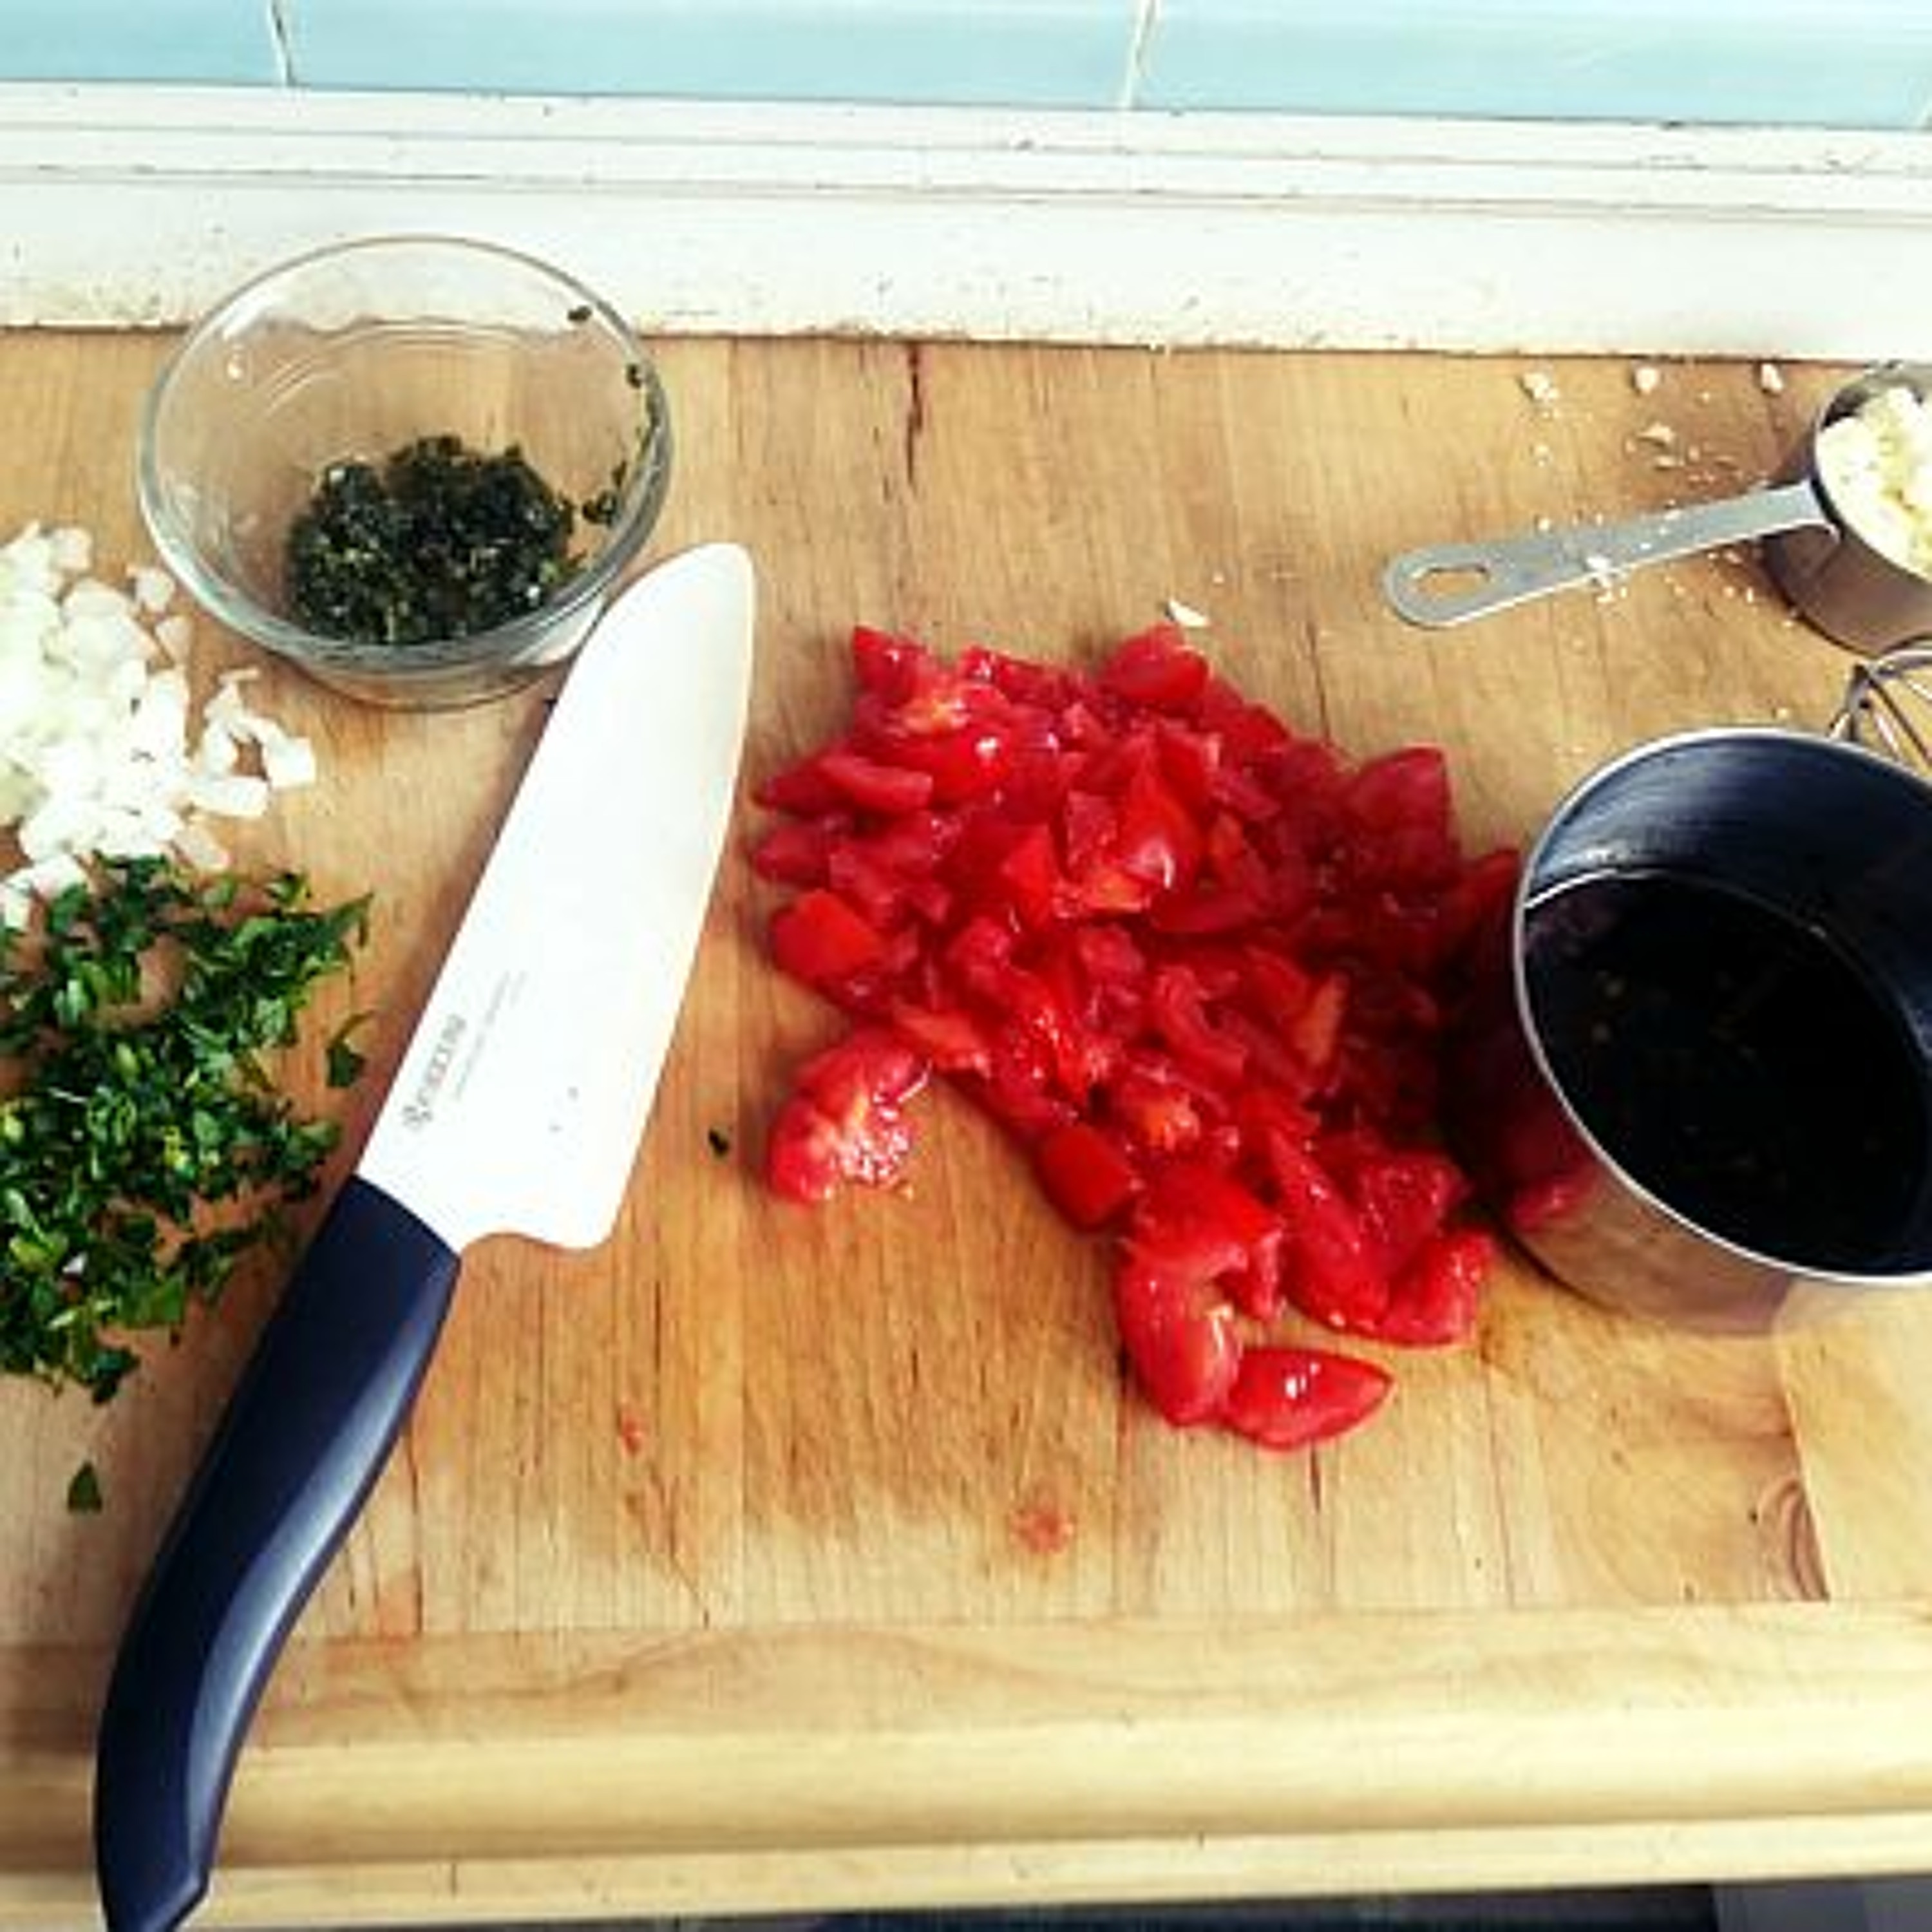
<point>342,1058</point>
<point>145,1146</point>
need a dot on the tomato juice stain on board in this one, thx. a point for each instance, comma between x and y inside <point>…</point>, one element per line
<point>1042,1528</point>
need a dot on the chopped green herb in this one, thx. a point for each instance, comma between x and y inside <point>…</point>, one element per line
<point>438,541</point>
<point>580,314</point>
<point>144,1145</point>
<point>718,1141</point>
<point>83,1491</point>
<point>345,1060</point>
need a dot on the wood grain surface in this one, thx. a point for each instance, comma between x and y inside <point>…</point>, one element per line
<point>769,1559</point>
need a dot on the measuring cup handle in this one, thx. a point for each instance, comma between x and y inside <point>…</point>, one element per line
<point>1451,584</point>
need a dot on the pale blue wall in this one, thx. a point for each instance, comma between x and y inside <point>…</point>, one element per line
<point>1845,63</point>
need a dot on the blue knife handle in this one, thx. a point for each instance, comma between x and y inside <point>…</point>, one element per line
<point>304,1438</point>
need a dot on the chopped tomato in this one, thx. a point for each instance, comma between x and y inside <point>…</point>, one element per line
<point>845,1122</point>
<point>1285,1398</point>
<point>1404,1196</point>
<point>818,937</point>
<point>793,852</point>
<point>1195,1193</point>
<point>957,764</point>
<point>893,666</point>
<point>802,788</point>
<point>1435,1299</point>
<point>874,786</point>
<point>1163,1110</point>
<point>1315,1033</point>
<point>1193,1205</point>
<point>1176,1012</point>
<point>1155,838</point>
<point>1177,1325</point>
<point>1030,873</point>
<point>1330,1272</point>
<point>1156,668</point>
<point>953,1041</point>
<point>1194,964</point>
<point>1086,1173</point>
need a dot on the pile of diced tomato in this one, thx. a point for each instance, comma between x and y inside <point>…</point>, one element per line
<point>1196,965</point>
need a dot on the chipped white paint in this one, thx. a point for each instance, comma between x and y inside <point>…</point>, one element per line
<point>122,205</point>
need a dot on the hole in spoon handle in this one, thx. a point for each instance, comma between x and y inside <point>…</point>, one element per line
<point>1449,584</point>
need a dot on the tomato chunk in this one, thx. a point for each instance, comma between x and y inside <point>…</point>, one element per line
<point>1086,1173</point>
<point>1179,1333</point>
<point>818,937</point>
<point>1286,1398</point>
<point>1156,668</point>
<point>846,1122</point>
<point>873,785</point>
<point>1435,1298</point>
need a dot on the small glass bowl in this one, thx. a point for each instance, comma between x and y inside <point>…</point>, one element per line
<point>355,351</point>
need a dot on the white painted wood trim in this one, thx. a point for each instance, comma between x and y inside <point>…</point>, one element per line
<point>140,205</point>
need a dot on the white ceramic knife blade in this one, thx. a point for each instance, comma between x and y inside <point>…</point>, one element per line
<point>521,1100</point>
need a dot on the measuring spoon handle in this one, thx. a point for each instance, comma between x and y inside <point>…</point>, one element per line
<point>1451,584</point>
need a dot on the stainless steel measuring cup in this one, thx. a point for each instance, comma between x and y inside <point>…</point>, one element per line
<point>1832,576</point>
<point>1694,1071</point>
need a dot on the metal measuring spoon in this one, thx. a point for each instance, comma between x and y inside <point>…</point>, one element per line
<point>1839,582</point>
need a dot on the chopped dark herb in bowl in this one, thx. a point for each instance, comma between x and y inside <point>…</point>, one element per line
<point>437,541</point>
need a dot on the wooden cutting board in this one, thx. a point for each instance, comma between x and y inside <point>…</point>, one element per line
<point>769,1558</point>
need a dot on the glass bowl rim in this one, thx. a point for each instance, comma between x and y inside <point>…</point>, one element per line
<point>506,643</point>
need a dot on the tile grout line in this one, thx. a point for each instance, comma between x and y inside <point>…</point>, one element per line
<point>278,39</point>
<point>1146,14</point>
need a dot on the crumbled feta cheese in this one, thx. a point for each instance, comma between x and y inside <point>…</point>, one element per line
<point>1661,434</point>
<point>1186,616</point>
<point>1770,378</point>
<point>1876,464</point>
<point>1645,379</point>
<point>1539,386</point>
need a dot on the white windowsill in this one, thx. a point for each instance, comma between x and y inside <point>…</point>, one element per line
<point>139,204</point>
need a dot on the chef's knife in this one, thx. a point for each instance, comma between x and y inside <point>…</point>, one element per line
<point>517,1108</point>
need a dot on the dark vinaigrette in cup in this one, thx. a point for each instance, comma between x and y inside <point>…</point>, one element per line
<point>1736,1062</point>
